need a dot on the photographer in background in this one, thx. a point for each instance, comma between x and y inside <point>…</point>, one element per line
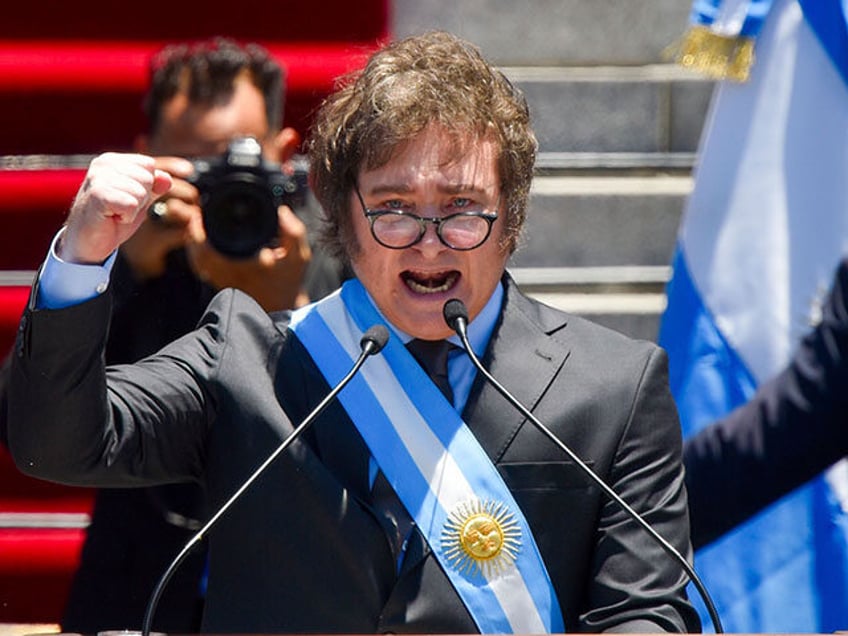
<point>202,96</point>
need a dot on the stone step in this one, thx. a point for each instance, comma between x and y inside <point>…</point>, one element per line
<point>596,72</point>
<point>584,281</point>
<point>659,108</point>
<point>611,163</point>
<point>552,32</point>
<point>16,277</point>
<point>584,221</point>
<point>627,299</point>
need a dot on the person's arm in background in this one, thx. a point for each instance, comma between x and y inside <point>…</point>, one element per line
<point>794,427</point>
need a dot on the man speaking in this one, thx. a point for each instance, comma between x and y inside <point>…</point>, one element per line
<point>420,501</point>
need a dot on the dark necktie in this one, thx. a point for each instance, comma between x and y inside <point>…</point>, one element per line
<point>432,355</point>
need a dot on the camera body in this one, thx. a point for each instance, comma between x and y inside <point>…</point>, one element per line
<point>239,195</point>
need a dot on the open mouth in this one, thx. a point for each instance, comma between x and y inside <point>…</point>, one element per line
<point>430,282</point>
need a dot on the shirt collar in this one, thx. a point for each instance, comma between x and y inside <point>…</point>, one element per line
<point>479,330</point>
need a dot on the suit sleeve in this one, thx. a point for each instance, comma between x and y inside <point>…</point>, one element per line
<point>791,430</point>
<point>73,420</point>
<point>633,570</point>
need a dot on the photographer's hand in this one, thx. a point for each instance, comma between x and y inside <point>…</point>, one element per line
<point>110,205</point>
<point>147,250</point>
<point>274,277</point>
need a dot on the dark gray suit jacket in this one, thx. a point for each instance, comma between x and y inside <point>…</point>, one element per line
<point>303,550</point>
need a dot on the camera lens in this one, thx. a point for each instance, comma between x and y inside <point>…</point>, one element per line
<point>240,216</point>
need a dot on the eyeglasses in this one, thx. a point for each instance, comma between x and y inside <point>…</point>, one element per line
<point>398,230</point>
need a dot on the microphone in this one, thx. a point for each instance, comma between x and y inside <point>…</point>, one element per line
<point>456,316</point>
<point>371,343</point>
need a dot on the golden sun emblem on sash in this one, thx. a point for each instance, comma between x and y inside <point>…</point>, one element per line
<point>481,536</point>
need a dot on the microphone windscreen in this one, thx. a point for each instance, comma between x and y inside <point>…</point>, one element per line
<point>453,311</point>
<point>377,335</point>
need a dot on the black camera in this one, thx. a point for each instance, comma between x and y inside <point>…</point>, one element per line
<point>239,195</point>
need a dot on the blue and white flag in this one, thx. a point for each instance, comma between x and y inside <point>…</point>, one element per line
<point>761,236</point>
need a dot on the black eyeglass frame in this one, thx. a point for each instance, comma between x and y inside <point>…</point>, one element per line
<point>438,221</point>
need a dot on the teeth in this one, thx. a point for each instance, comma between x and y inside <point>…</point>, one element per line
<point>421,288</point>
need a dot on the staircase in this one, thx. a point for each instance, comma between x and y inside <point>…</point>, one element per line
<point>72,76</point>
<point>618,129</point>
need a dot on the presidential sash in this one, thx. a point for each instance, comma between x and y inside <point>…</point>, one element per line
<point>439,471</point>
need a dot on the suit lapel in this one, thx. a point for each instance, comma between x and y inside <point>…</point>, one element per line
<point>524,355</point>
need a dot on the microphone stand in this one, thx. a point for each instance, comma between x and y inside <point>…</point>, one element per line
<point>372,342</point>
<point>456,316</point>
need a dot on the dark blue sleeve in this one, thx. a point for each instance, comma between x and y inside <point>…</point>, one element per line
<point>791,430</point>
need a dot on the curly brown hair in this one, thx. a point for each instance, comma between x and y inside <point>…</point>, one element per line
<point>434,78</point>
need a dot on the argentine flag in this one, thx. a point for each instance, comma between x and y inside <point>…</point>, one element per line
<point>760,239</point>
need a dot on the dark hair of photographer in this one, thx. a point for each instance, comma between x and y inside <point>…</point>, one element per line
<point>206,72</point>
<point>203,95</point>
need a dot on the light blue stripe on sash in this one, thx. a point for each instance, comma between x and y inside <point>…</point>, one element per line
<point>438,461</point>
